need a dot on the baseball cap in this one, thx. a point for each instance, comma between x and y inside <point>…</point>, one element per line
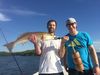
<point>70,20</point>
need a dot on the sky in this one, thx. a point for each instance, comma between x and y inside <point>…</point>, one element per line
<point>20,16</point>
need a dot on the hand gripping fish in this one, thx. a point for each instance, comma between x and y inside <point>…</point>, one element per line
<point>25,37</point>
<point>77,59</point>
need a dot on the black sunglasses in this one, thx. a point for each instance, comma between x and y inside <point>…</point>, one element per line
<point>70,24</point>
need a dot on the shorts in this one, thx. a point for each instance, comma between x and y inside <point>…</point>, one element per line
<point>85,72</point>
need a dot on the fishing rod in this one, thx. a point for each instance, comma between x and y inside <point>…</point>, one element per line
<point>21,72</point>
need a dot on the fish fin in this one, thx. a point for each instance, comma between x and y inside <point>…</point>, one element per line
<point>10,45</point>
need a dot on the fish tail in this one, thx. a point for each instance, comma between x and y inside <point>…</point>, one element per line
<point>10,45</point>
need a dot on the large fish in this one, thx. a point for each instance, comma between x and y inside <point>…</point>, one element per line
<point>25,37</point>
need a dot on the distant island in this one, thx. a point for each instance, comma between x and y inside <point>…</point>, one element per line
<point>23,53</point>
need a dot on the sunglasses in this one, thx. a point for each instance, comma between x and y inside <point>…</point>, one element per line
<point>70,24</point>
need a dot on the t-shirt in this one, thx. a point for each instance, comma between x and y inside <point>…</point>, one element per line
<point>81,41</point>
<point>49,60</point>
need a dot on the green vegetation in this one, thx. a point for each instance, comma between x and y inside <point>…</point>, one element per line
<point>4,54</point>
<point>24,53</point>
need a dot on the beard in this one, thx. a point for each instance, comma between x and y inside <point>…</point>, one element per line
<point>51,30</point>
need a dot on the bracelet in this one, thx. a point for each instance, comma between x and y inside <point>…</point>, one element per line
<point>96,65</point>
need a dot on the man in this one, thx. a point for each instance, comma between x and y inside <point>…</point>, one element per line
<point>82,43</point>
<point>48,49</point>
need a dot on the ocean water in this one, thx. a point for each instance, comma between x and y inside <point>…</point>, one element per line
<point>28,64</point>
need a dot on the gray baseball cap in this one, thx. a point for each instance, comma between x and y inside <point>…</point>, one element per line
<point>70,20</point>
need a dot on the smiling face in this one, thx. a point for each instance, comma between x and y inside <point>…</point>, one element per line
<point>72,27</point>
<point>51,26</point>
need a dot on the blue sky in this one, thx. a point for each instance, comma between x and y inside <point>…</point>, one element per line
<point>20,16</point>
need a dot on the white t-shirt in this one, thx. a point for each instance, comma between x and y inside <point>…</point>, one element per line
<point>49,60</point>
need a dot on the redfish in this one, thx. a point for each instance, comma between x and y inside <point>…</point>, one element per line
<point>25,38</point>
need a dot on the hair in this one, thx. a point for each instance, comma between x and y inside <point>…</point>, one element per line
<point>51,21</point>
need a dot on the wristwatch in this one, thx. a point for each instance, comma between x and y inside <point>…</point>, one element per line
<point>96,65</point>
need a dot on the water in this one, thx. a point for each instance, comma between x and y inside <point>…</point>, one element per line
<point>28,64</point>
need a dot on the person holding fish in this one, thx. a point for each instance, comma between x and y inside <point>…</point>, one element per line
<point>50,63</point>
<point>78,51</point>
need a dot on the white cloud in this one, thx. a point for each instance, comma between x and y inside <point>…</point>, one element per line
<point>97,42</point>
<point>4,17</point>
<point>97,45</point>
<point>26,12</point>
<point>23,12</point>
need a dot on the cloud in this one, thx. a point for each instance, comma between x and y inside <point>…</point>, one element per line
<point>26,12</point>
<point>4,17</point>
<point>23,12</point>
<point>97,45</point>
<point>97,42</point>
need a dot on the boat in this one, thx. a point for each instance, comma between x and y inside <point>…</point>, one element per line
<point>64,71</point>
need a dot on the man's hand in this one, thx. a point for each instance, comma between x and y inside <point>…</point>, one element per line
<point>97,70</point>
<point>65,38</point>
<point>33,38</point>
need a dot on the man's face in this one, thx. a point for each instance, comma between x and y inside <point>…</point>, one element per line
<point>71,27</point>
<point>52,27</point>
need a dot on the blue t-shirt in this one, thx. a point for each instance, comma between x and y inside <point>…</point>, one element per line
<point>81,41</point>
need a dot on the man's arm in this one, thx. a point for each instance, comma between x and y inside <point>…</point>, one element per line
<point>65,61</point>
<point>33,39</point>
<point>37,49</point>
<point>95,59</point>
<point>61,52</point>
